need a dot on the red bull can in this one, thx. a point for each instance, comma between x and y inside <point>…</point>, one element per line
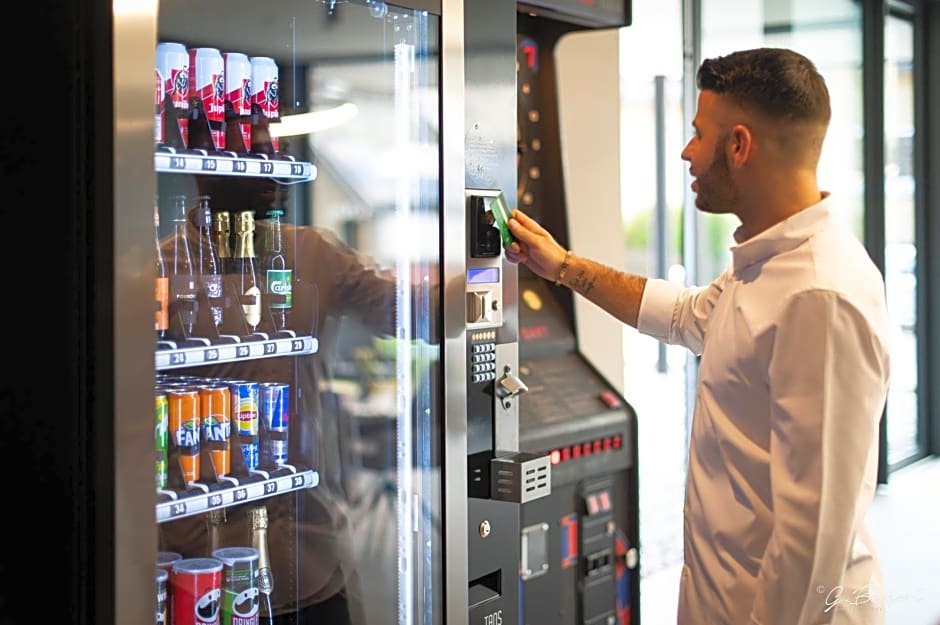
<point>172,72</point>
<point>196,591</point>
<point>207,82</point>
<point>245,416</point>
<point>275,416</point>
<point>238,89</point>
<point>264,90</point>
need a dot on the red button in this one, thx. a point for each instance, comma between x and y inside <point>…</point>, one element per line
<point>610,399</point>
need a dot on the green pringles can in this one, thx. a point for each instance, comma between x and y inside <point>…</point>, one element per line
<point>240,593</point>
<point>161,438</point>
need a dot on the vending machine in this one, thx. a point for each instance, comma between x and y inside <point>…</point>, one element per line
<point>282,379</point>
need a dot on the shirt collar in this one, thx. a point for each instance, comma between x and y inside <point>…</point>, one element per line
<point>783,236</point>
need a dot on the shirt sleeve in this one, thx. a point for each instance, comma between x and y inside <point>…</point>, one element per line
<point>828,379</point>
<point>678,315</point>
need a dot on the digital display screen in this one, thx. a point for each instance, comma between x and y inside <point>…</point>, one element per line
<point>487,275</point>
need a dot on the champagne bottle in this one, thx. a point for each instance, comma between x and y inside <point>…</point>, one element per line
<point>161,290</point>
<point>222,229</point>
<point>215,521</point>
<point>249,290</point>
<point>210,270</point>
<point>278,274</point>
<point>183,279</point>
<point>258,521</point>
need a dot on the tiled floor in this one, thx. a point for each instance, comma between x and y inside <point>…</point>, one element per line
<point>905,522</point>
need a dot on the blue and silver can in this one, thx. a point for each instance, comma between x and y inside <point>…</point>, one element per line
<point>275,417</point>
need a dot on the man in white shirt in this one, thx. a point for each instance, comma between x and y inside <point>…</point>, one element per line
<point>793,339</point>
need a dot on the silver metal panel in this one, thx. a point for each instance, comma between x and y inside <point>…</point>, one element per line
<point>135,536</point>
<point>455,344</point>
<point>506,413</point>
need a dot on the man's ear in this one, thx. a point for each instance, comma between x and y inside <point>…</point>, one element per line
<point>740,145</point>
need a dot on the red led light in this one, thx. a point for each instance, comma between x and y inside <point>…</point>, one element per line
<point>555,456</point>
<point>597,447</point>
<point>565,454</point>
<point>618,441</point>
<point>586,449</point>
<point>576,451</point>
<point>608,444</point>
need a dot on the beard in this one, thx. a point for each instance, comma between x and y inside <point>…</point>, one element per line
<point>717,192</point>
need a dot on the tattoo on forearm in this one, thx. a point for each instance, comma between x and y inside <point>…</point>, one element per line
<point>583,283</point>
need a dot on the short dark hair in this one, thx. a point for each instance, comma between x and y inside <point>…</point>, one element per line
<point>778,82</point>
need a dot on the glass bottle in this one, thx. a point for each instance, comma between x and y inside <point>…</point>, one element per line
<point>258,521</point>
<point>210,270</point>
<point>245,270</point>
<point>161,290</point>
<point>222,229</point>
<point>278,274</point>
<point>184,286</point>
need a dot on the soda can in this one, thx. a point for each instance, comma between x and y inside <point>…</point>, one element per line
<point>173,72</point>
<point>238,89</point>
<point>207,81</point>
<point>165,560</point>
<point>264,89</point>
<point>184,430</point>
<point>161,438</point>
<point>196,591</point>
<point>245,416</point>
<point>275,416</point>
<point>163,579</point>
<point>215,411</point>
<point>240,592</point>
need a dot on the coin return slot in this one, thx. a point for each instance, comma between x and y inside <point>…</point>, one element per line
<point>485,588</point>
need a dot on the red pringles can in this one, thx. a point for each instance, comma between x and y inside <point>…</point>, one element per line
<point>215,411</point>
<point>172,72</point>
<point>196,591</point>
<point>238,90</point>
<point>185,430</point>
<point>207,83</point>
<point>264,90</point>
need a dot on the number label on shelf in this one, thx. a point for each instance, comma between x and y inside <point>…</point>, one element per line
<point>215,500</point>
<point>178,358</point>
<point>211,355</point>
<point>178,509</point>
<point>193,356</point>
<point>270,487</point>
<point>209,164</point>
<point>240,494</point>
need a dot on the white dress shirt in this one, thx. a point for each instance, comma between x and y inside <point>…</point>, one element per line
<point>793,338</point>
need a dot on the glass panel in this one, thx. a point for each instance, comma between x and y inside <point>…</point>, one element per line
<point>344,165</point>
<point>900,249</point>
<point>829,33</point>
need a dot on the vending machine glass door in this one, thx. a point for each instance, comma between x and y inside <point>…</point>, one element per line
<point>298,226</point>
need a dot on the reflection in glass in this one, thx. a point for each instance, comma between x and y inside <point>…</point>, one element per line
<point>900,248</point>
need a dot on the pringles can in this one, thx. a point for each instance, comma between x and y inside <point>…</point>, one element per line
<point>166,559</point>
<point>196,591</point>
<point>184,430</point>
<point>173,72</point>
<point>207,81</point>
<point>264,90</point>
<point>238,91</point>
<point>163,579</point>
<point>275,415</point>
<point>215,411</point>
<point>240,593</point>
<point>245,415</point>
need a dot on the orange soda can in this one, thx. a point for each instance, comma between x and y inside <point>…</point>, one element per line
<point>215,410</point>
<point>184,429</point>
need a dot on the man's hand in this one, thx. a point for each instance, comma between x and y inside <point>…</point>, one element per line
<point>535,247</point>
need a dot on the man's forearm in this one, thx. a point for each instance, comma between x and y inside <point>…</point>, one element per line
<point>616,292</point>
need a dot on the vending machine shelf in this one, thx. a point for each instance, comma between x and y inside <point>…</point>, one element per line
<point>201,497</point>
<point>170,355</point>
<point>168,160</point>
